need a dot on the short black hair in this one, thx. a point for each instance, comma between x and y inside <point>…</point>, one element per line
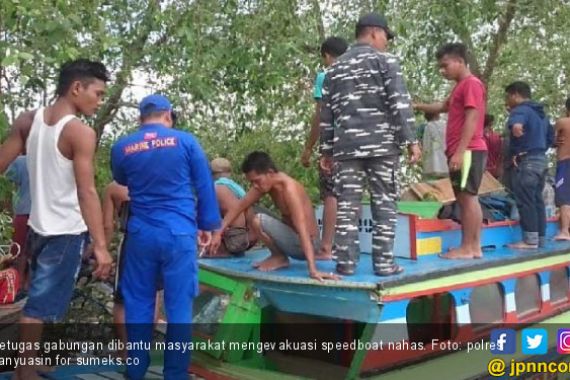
<point>334,46</point>
<point>454,49</point>
<point>258,161</point>
<point>489,120</point>
<point>82,70</point>
<point>519,87</point>
<point>362,30</point>
<point>568,104</point>
<point>153,115</point>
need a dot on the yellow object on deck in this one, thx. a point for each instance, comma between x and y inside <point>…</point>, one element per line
<point>428,246</point>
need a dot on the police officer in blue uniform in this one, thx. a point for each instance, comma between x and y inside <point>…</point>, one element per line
<point>173,208</point>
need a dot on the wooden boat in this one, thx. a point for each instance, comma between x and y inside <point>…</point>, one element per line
<point>451,301</point>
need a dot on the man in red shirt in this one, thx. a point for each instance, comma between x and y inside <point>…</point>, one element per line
<point>465,146</point>
<point>494,143</point>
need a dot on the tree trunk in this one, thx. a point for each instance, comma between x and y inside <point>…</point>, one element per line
<point>499,40</point>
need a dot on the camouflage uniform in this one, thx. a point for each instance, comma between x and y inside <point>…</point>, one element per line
<point>366,117</point>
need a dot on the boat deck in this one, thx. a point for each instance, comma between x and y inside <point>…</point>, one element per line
<point>425,268</point>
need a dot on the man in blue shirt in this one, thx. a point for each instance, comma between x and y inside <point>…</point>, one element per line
<point>173,204</point>
<point>530,135</point>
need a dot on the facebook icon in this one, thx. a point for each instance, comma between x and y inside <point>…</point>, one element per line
<point>503,341</point>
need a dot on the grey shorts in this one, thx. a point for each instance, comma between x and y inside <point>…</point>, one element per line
<point>284,237</point>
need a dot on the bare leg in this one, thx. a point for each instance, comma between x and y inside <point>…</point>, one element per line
<point>564,233</point>
<point>329,222</point>
<point>471,219</point>
<point>277,259</point>
<point>30,331</point>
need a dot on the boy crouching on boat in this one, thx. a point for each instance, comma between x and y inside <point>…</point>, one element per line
<point>296,234</point>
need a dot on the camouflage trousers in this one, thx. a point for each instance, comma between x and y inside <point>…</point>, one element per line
<point>381,176</point>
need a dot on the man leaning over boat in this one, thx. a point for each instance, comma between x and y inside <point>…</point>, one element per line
<point>294,235</point>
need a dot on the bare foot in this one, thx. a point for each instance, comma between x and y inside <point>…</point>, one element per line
<point>561,237</point>
<point>324,253</point>
<point>461,254</point>
<point>25,373</point>
<point>272,263</point>
<point>522,245</point>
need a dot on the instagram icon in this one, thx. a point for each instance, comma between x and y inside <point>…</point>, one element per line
<point>563,346</point>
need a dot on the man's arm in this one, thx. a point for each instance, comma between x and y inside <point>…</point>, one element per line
<point>83,144</point>
<point>16,141</point>
<point>252,196</point>
<point>516,122</point>
<point>108,214</point>
<point>299,221</point>
<point>399,100</point>
<point>326,118</point>
<point>438,107</point>
<point>314,134</point>
<point>208,210</point>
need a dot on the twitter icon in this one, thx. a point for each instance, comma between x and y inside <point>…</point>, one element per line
<point>534,341</point>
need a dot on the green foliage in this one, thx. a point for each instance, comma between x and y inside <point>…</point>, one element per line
<point>240,72</point>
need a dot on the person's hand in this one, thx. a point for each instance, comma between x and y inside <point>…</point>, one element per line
<point>204,238</point>
<point>326,164</point>
<point>215,243</point>
<point>320,276</point>
<point>415,153</point>
<point>306,157</point>
<point>104,262</point>
<point>517,130</point>
<point>456,162</point>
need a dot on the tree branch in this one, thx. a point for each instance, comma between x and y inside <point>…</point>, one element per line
<point>499,40</point>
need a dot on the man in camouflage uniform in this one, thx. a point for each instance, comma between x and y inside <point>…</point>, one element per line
<point>366,117</point>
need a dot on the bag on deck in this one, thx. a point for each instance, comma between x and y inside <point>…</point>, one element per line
<point>236,240</point>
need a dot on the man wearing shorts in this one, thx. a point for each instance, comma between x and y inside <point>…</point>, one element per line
<point>331,49</point>
<point>60,150</point>
<point>562,181</point>
<point>240,236</point>
<point>529,138</point>
<point>465,146</point>
<point>296,234</point>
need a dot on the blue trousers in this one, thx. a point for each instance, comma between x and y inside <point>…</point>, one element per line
<point>527,182</point>
<point>149,252</point>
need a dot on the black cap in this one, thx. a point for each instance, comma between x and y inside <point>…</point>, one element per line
<point>377,20</point>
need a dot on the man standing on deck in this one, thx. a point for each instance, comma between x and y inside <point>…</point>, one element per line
<point>530,136</point>
<point>562,181</point>
<point>465,147</point>
<point>331,49</point>
<point>366,117</point>
<point>173,207</point>
<point>60,150</point>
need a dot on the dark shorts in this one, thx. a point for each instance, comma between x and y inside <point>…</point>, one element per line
<point>474,174</point>
<point>55,263</point>
<point>117,295</point>
<point>236,240</point>
<point>562,183</point>
<point>326,184</point>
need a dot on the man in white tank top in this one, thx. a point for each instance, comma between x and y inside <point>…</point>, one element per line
<point>65,206</point>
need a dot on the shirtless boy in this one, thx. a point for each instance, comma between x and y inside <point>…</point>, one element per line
<point>296,234</point>
<point>562,130</point>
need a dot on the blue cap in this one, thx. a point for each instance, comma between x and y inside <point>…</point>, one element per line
<point>154,103</point>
